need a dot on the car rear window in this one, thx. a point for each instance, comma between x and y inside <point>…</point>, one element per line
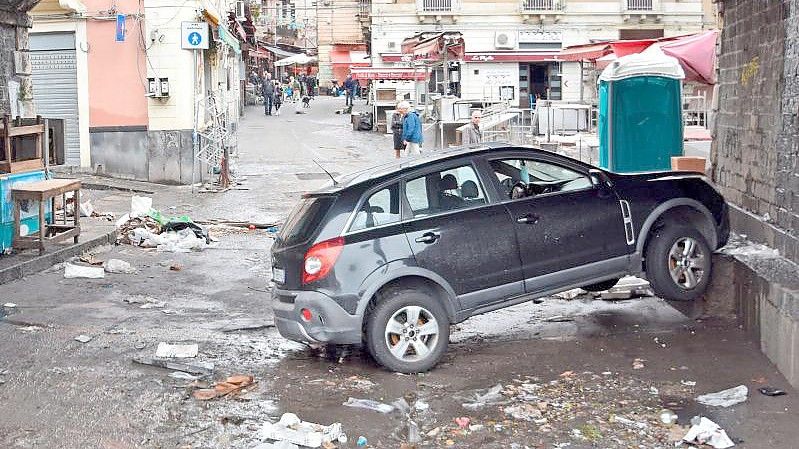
<point>304,219</point>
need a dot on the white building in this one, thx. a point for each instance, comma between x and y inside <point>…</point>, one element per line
<point>512,46</point>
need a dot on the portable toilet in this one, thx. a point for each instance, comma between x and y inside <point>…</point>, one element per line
<point>640,112</point>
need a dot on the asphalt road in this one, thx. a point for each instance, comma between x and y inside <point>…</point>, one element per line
<point>575,372</point>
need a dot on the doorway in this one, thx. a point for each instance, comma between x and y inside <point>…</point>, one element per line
<point>542,78</point>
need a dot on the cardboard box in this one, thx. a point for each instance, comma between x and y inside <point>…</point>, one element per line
<point>688,163</point>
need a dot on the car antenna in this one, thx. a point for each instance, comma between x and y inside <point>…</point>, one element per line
<point>335,183</point>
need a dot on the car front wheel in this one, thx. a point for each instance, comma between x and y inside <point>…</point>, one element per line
<point>407,331</point>
<point>678,263</point>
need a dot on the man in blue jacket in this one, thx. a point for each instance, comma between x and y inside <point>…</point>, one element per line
<point>411,129</point>
<point>349,89</point>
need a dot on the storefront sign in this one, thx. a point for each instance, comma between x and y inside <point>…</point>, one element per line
<point>508,57</point>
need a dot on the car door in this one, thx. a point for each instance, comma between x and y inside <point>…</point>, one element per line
<point>457,233</point>
<point>567,229</point>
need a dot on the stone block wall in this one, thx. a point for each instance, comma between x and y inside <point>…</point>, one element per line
<point>14,60</point>
<point>755,152</point>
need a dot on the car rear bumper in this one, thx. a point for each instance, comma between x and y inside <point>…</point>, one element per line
<point>329,323</point>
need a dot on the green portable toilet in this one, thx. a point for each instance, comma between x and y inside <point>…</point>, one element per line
<point>640,113</point>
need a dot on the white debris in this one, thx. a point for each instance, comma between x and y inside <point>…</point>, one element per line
<point>118,266</point>
<point>725,398</point>
<point>705,431</point>
<point>167,350</point>
<point>491,396</point>
<point>290,429</point>
<point>83,338</point>
<point>369,405</point>
<point>182,241</point>
<point>140,206</point>
<point>79,271</point>
<point>182,376</point>
<point>9,305</point>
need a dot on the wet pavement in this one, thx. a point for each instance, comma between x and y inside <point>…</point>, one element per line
<point>574,371</point>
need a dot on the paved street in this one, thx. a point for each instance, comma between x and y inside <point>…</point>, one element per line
<point>575,372</point>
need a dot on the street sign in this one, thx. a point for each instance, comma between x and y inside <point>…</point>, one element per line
<point>120,28</point>
<point>194,36</point>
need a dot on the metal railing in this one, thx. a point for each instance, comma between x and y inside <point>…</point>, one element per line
<point>639,5</point>
<point>436,5</point>
<point>364,7</point>
<point>539,5</point>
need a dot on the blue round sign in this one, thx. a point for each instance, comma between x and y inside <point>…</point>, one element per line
<point>195,38</point>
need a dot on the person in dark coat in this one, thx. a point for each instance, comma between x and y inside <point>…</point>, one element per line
<point>268,91</point>
<point>277,98</point>
<point>349,89</point>
<point>396,129</point>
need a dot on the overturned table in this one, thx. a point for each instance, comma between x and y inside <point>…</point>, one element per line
<point>41,192</point>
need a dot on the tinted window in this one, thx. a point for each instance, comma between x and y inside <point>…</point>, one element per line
<point>451,189</point>
<point>304,219</point>
<point>381,208</point>
<point>539,177</point>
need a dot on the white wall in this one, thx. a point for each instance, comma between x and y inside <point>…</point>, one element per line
<point>490,76</point>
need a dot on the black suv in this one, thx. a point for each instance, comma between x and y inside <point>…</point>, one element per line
<point>393,255</point>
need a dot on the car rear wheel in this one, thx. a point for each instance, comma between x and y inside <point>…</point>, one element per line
<point>678,263</point>
<point>407,331</point>
<point>601,286</point>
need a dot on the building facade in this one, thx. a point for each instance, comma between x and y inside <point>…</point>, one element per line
<point>16,87</point>
<point>130,94</point>
<point>341,38</point>
<point>512,46</point>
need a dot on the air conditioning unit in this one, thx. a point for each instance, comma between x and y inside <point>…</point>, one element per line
<point>240,14</point>
<point>505,40</point>
<point>391,45</point>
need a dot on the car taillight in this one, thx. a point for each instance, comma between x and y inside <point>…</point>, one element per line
<point>320,258</point>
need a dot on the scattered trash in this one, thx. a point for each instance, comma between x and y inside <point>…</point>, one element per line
<point>725,398</point>
<point>166,350</point>
<point>667,416</point>
<point>654,391</point>
<point>290,429</point>
<point>369,405</point>
<point>705,431</point>
<point>79,271</point>
<point>182,376</point>
<point>83,338</point>
<point>525,412</point>
<point>175,267</point>
<point>140,206</point>
<point>31,328</point>
<point>421,406</point>
<point>638,363</point>
<point>463,421</point>
<point>193,368</point>
<point>770,391</point>
<point>558,319</point>
<point>491,396</point>
<point>231,385</point>
<point>9,305</point>
<point>90,259</point>
<point>630,422</point>
<point>362,441</point>
<point>688,383</point>
<point>153,305</point>
<point>118,266</point>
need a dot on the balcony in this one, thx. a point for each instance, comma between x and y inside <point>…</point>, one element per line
<point>437,8</point>
<point>539,10</point>
<point>364,8</point>
<point>640,5</point>
<point>641,9</point>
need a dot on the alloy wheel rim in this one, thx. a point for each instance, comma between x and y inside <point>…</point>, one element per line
<point>686,263</point>
<point>411,333</point>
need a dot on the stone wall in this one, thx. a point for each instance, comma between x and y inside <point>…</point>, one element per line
<point>15,82</point>
<point>755,152</point>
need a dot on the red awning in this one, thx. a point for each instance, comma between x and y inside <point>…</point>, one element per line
<point>388,73</point>
<point>432,48</point>
<point>352,58</point>
<point>624,48</point>
<point>697,55</point>
<point>586,52</point>
<point>507,56</point>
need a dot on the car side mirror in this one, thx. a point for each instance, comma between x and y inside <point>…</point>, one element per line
<point>599,180</point>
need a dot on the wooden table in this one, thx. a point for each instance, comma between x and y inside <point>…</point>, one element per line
<point>43,191</point>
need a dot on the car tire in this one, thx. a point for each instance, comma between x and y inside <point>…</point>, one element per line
<point>390,335</point>
<point>601,286</point>
<point>678,263</point>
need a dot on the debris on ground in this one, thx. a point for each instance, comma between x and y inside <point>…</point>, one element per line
<point>485,397</point>
<point>182,376</point>
<point>362,441</point>
<point>725,398</point>
<point>118,266</point>
<point>705,431</point>
<point>638,363</point>
<point>83,338</point>
<point>369,405</point>
<point>462,421</point>
<point>148,228</point>
<point>175,267</point>
<point>90,259</point>
<point>232,385</point>
<point>292,430</point>
<point>771,391</point>
<point>668,417</point>
<point>247,324</point>
<point>166,350</point>
<point>72,271</point>
<point>9,305</point>
<point>199,368</point>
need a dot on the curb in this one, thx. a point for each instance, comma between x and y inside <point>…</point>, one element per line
<point>47,260</point>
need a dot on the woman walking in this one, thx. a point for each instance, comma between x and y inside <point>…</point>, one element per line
<point>277,99</point>
<point>396,129</point>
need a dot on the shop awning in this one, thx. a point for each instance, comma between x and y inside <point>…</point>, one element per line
<point>624,48</point>
<point>586,52</point>
<point>301,59</point>
<point>509,56</point>
<point>349,57</point>
<point>259,53</point>
<point>432,49</point>
<point>388,73</point>
<point>279,52</point>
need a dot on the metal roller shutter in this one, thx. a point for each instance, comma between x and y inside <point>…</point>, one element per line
<point>55,85</point>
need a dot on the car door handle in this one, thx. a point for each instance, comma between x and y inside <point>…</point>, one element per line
<point>527,219</point>
<point>429,237</point>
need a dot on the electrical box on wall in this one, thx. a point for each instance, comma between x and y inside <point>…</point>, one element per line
<point>158,87</point>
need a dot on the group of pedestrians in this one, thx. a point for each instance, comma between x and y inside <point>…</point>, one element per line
<point>407,129</point>
<point>276,92</point>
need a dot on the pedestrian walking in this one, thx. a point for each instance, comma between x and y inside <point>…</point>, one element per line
<point>277,98</point>
<point>396,129</point>
<point>349,89</point>
<point>311,81</point>
<point>295,89</point>
<point>411,129</point>
<point>288,92</point>
<point>472,133</point>
<point>268,91</point>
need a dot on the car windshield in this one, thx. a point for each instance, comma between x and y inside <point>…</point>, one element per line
<point>304,219</point>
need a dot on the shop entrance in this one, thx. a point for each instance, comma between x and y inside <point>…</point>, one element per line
<point>541,78</point>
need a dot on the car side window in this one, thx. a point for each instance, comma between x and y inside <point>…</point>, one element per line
<point>382,207</point>
<point>527,177</point>
<point>442,191</point>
